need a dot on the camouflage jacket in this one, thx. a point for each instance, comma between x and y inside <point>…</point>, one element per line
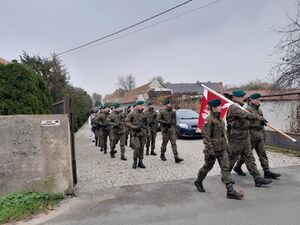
<point>95,121</point>
<point>104,122</point>
<point>151,115</point>
<point>167,119</point>
<point>257,129</point>
<point>213,133</point>
<point>138,123</point>
<point>117,122</point>
<point>238,122</point>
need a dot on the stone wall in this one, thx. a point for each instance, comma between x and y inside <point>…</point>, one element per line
<point>35,157</point>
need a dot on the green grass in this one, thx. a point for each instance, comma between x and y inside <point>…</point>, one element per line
<point>285,151</point>
<point>19,205</point>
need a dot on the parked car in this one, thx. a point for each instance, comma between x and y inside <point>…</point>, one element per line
<point>187,122</point>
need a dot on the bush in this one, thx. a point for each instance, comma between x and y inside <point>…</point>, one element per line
<point>22,91</point>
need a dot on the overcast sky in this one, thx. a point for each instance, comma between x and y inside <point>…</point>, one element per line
<point>230,41</point>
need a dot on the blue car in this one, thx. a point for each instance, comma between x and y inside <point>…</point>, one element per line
<point>187,122</point>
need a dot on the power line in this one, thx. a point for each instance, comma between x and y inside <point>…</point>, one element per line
<point>124,29</point>
<point>153,25</point>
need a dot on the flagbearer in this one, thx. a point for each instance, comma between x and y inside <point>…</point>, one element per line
<point>257,133</point>
<point>216,146</point>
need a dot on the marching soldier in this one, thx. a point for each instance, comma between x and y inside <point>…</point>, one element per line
<point>151,115</point>
<point>104,127</point>
<point>116,121</point>
<point>167,119</point>
<point>95,124</point>
<point>238,122</point>
<point>137,121</point>
<point>257,133</point>
<point>127,129</point>
<point>216,146</point>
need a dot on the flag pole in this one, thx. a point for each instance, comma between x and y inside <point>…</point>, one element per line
<point>231,102</point>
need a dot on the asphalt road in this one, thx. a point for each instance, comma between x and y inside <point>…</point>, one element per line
<point>178,203</point>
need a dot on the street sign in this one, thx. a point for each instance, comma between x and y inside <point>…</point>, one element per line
<point>50,123</point>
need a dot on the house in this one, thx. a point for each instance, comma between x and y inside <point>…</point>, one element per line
<point>116,96</point>
<point>3,61</point>
<point>147,92</point>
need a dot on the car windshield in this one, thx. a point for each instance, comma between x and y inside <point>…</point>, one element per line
<point>187,114</point>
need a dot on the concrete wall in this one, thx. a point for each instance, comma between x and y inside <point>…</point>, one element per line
<point>34,157</point>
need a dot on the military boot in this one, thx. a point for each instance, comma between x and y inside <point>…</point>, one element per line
<point>262,181</point>
<point>233,194</point>
<point>134,165</point>
<point>231,181</point>
<point>163,157</point>
<point>178,159</point>
<point>153,152</point>
<point>105,151</point>
<point>199,185</point>
<point>123,157</point>
<point>101,149</point>
<point>112,154</point>
<point>239,171</point>
<point>270,175</point>
<point>147,151</point>
<point>141,164</point>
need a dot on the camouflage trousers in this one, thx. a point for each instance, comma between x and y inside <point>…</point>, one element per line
<point>151,138</point>
<point>169,135</point>
<point>114,139</point>
<point>138,147</point>
<point>260,149</point>
<point>98,137</point>
<point>104,136</point>
<point>209,162</point>
<point>127,132</point>
<point>242,147</point>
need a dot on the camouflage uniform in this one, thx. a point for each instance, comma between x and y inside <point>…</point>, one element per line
<point>151,115</point>
<point>238,122</point>
<point>117,133</point>
<point>215,147</point>
<point>127,129</point>
<point>137,121</point>
<point>167,119</point>
<point>95,124</point>
<point>105,129</point>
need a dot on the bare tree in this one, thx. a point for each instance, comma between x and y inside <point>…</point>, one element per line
<point>287,71</point>
<point>126,82</point>
<point>159,78</point>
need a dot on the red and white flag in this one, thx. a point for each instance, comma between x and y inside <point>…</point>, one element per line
<point>204,109</point>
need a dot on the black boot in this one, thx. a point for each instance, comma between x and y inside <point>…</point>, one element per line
<point>123,157</point>
<point>105,151</point>
<point>147,151</point>
<point>101,149</point>
<point>141,164</point>
<point>177,159</point>
<point>199,185</point>
<point>233,194</point>
<point>134,165</point>
<point>163,157</point>
<point>270,175</point>
<point>153,152</point>
<point>112,154</point>
<point>262,181</point>
<point>239,171</point>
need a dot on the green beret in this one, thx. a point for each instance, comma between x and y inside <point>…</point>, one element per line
<point>214,103</point>
<point>238,93</point>
<point>255,96</point>
<point>140,102</point>
<point>166,101</point>
<point>117,105</point>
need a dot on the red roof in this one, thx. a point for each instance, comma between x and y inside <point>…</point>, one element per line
<point>131,96</point>
<point>118,93</point>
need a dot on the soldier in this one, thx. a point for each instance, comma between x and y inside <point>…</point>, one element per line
<point>104,128</point>
<point>257,133</point>
<point>238,122</point>
<point>151,115</point>
<point>116,121</point>
<point>131,145</point>
<point>127,129</point>
<point>167,119</point>
<point>137,121</point>
<point>216,146</point>
<point>95,124</point>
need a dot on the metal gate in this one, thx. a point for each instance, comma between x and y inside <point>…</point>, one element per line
<point>65,106</point>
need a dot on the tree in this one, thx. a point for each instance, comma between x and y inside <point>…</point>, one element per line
<point>22,91</point>
<point>251,85</point>
<point>53,72</point>
<point>97,99</point>
<point>287,71</point>
<point>158,78</point>
<point>126,82</point>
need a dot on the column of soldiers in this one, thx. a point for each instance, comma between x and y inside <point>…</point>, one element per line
<point>140,125</point>
<point>245,131</point>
